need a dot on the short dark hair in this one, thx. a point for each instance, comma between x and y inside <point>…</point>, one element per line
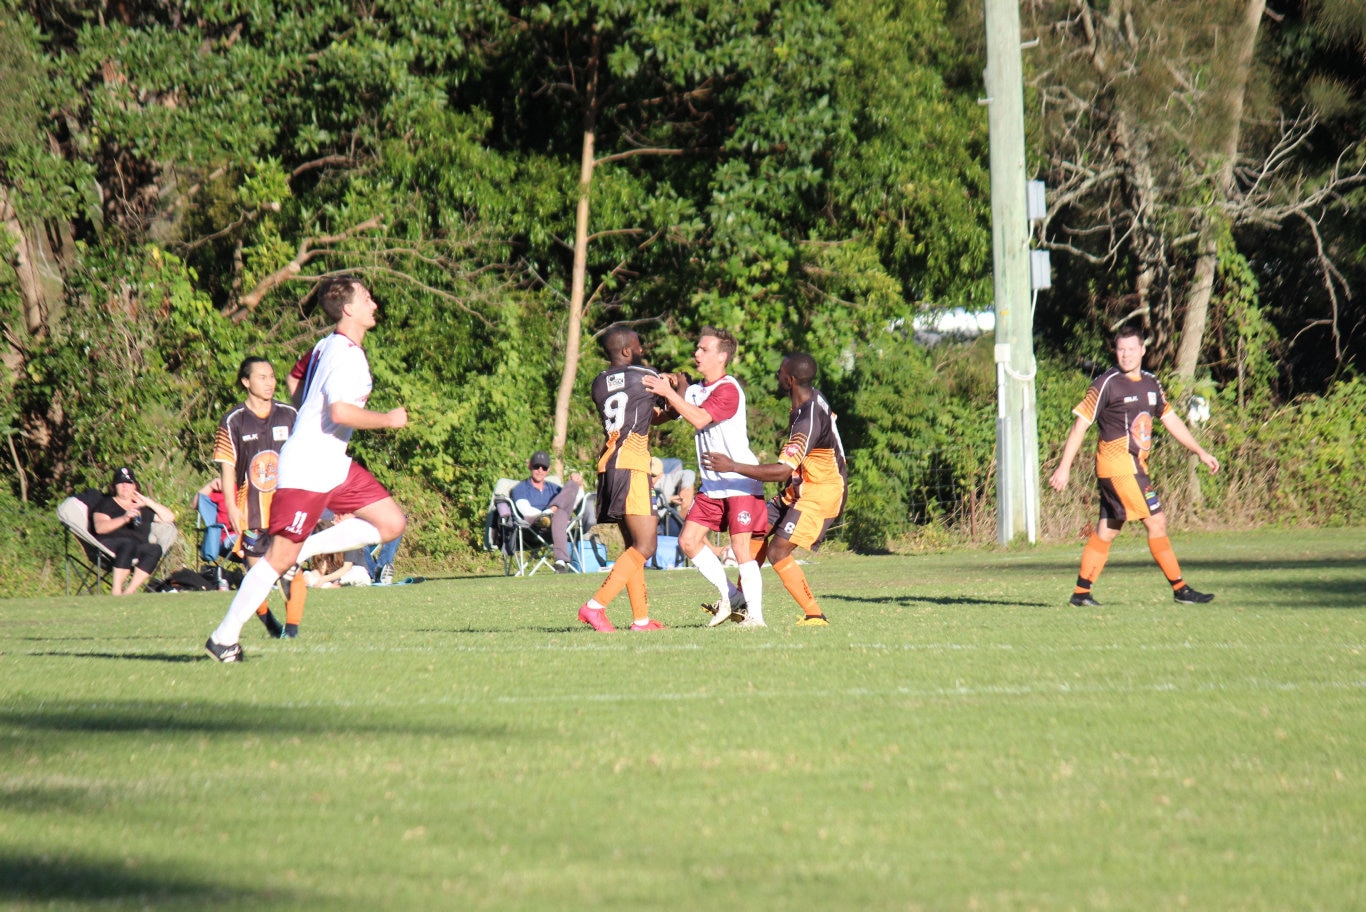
<point>250,361</point>
<point>1129,331</point>
<point>725,342</point>
<point>336,292</point>
<point>801,367</point>
<point>616,338</point>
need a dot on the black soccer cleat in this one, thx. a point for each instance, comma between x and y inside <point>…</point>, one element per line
<point>221,653</point>
<point>1083,600</point>
<point>1188,596</point>
<point>273,626</point>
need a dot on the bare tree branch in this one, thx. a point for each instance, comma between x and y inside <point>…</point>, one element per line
<point>309,248</point>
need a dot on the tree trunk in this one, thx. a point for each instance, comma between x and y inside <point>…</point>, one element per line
<point>1202,285</point>
<point>38,281</point>
<point>579,280</point>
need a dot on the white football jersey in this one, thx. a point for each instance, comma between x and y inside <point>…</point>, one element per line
<point>314,457</point>
<point>729,435</point>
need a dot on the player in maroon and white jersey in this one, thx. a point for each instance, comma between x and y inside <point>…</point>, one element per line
<point>728,501</point>
<point>316,474</point>
<point>1124,403</point>
<point>247,450</point>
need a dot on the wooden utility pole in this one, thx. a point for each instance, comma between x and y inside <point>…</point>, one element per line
<point>1017,445</point>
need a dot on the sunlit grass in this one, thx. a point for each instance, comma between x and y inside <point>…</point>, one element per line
<point>957,739</point>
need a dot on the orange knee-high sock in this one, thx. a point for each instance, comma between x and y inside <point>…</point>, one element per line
<point>629,564</point>
<point>758,549</point>
<point>1093,558</point>
<point>794,581</point>
<point>294,605</point>
<point>1166,559</point>
<point>264,609</point>
<point>635,591</point>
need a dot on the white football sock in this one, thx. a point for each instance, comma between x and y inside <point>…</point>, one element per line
<point>255,589</point>
<point>753,584</point>
<point>711,569</point>
<point>347,535</point>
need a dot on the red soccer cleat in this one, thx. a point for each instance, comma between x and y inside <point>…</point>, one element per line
<point>596,618</point>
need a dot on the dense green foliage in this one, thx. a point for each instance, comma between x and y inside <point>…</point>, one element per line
<point>175,178</point>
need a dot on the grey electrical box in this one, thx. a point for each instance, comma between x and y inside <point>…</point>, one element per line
<point>1040,270</point>
<point>1036,199</point>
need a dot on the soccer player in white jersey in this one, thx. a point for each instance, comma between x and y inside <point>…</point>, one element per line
<point>727,501</point>
<point>316,473</point>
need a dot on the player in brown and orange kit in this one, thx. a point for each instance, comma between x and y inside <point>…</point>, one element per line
<point>1123,403</point>
<point>627,410</point>
<point>247,450</point>
<point>812,467</point>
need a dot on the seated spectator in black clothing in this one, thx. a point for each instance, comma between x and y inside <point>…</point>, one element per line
<point>123,524</point>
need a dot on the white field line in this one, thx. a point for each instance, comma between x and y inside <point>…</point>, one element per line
<point>958,691</point>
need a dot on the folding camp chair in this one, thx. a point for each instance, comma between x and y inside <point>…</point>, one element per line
<point>216,543</point>
<point>91,560</point>
<point>526,546</point>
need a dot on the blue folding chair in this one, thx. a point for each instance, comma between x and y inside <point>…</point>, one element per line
<point>215,543</point>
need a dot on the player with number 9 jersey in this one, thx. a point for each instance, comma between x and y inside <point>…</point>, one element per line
<point>627,410</point>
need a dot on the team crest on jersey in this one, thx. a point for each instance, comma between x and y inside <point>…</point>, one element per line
<point>792,450</point>
<point>1152,398</point>
<point>279,433</point>
<point>1141,431</point>
<point>264,472</point>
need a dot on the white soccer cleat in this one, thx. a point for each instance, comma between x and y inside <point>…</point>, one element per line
<point>722,613</point>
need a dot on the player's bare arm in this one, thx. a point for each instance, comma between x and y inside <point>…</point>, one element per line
<point>1177,428</point>
<point>667,387</point>
<point>227,474</point>
<point>1060,476</point>
<point>773,471</point>
<point>363,419</point>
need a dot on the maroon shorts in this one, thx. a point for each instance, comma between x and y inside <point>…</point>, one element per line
<point>294,512</point>
<point>735,514</point>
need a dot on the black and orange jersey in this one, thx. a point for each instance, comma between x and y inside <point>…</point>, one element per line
<point>820,479</point>
<point>627,410</point>
<point>251,443</point>
<point>1124,408</point>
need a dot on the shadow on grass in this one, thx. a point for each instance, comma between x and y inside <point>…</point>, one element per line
<point>234,719</point>
<point>40,880</point>
<point>946,600</point>
<point>171,657</point>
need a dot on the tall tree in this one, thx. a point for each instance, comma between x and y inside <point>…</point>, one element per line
<point>1163,137</point>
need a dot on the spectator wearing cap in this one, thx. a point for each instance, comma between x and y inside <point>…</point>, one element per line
<point>122,521</point>
<point>543,503</point>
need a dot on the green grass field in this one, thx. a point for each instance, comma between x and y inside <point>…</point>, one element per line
<point>957,739</point>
